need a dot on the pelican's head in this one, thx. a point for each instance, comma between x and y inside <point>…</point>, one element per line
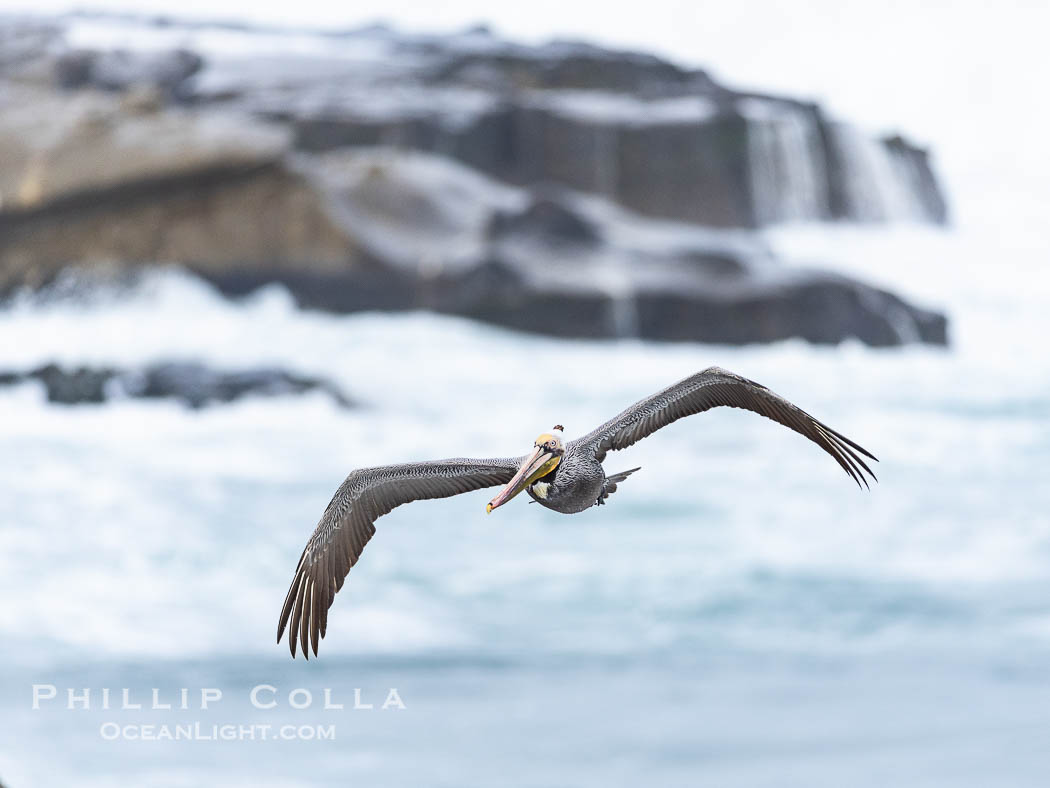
<point>546,453</point>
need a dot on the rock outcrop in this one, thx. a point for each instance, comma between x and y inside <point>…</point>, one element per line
<point>192,384</point>
<point>661,140</point>
<point>562,189</point>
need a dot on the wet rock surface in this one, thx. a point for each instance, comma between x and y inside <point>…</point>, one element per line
<point>562,188</point>
<point>120,70</point>
<point>194,385</point>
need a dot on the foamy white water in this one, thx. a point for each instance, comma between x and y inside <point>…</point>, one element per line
<point>157,542</point>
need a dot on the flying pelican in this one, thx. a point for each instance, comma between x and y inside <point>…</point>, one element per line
<point>565,477</point>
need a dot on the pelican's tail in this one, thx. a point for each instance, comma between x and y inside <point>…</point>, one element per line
<point>610,484</point>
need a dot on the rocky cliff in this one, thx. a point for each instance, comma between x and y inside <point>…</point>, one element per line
<point>563,188</point>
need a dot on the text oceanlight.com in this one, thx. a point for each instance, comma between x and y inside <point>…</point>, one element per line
<point>197,731</point>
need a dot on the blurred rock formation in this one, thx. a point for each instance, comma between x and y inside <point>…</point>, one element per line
<point>190,383</point>
<point>563,188</point>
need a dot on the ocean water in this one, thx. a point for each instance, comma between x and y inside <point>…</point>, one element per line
<point>740,614</point>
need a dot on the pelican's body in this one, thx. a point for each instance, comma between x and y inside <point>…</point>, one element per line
<point>564,477</point>
<point>578,483</point>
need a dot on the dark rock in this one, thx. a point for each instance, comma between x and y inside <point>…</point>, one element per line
<point>242,194</point>
<point>407,231</point>
<point>661,139</point>
<point>691,172</point>
<point>713,264</point>
<point>727,306</point>
<point>664,141</point>
<point>545,220</point>
<point>722,169</point>
<point>25,42</point>
<point>120,70</point>
<point>197,385</point>
<point>74,69</point>
<point>193,384</point>
<point>570,66</point>
<point>819,308</point>
<point>68,387</point>
<point>658,138</point>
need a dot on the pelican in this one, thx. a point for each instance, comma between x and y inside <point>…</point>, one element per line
<point>565,477</point>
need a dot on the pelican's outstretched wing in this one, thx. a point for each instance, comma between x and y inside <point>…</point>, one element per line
<point>710,389</point>
<point>348,523</point>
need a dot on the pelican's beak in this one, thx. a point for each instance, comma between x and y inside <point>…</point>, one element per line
<point>536,466</point>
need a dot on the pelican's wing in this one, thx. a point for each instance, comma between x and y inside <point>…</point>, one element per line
<point>348,523</point>
<point>712,388</point>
